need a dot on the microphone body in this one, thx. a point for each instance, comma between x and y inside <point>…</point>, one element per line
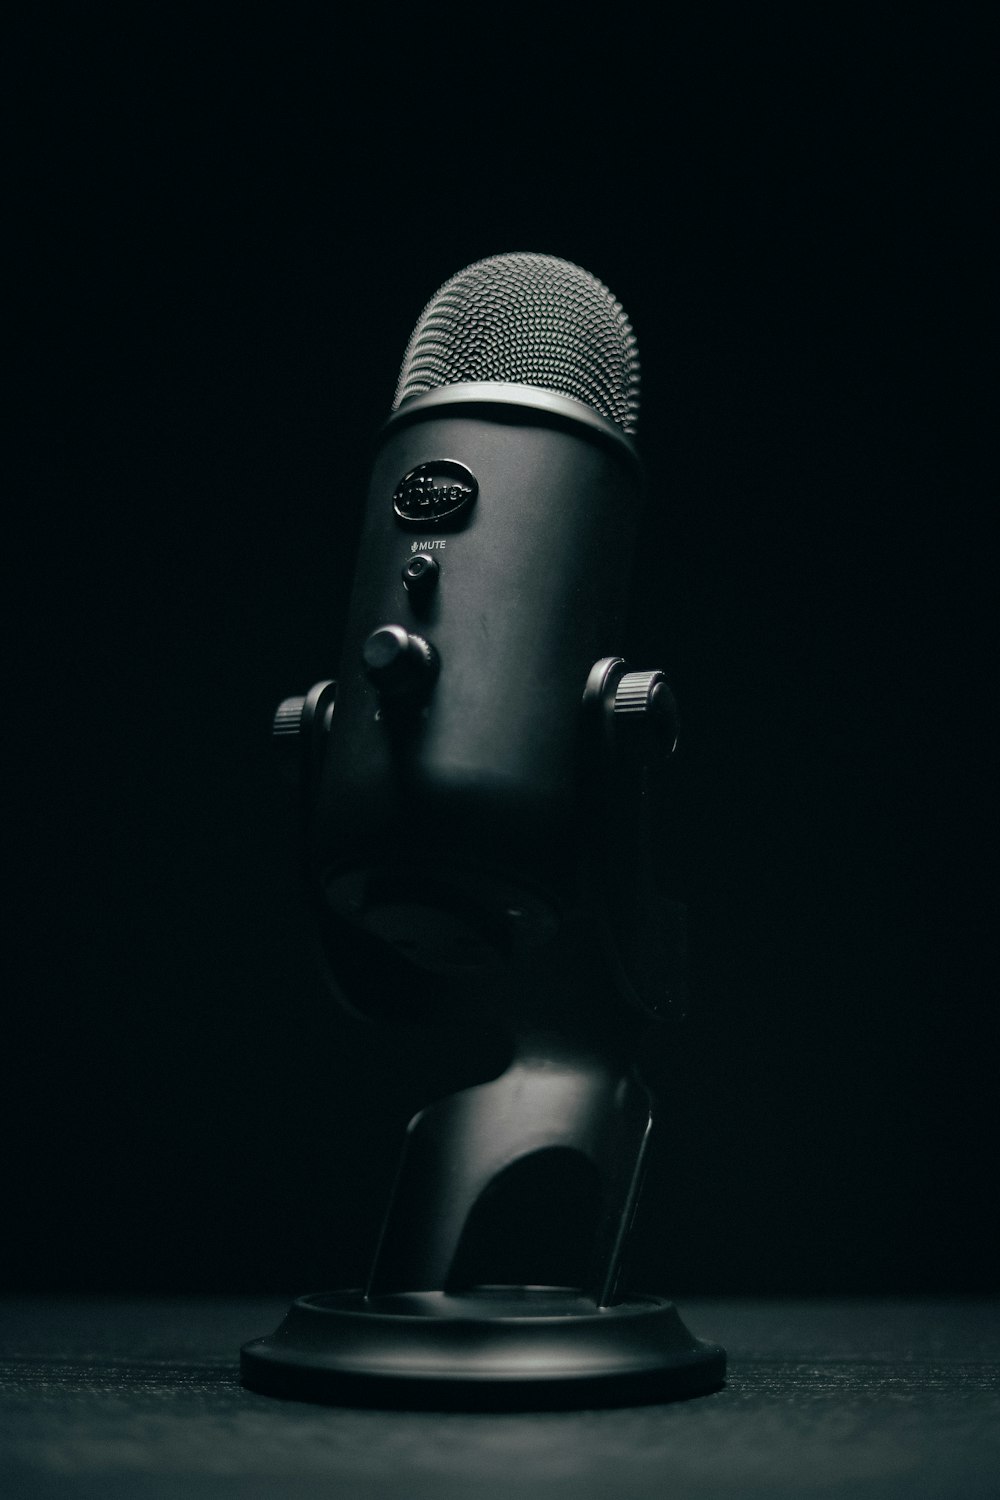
<point>446,821</point>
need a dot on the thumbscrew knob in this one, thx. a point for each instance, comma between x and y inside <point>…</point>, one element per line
<point>645,698</point>
<point>288,718</point>
<point>300,727</point>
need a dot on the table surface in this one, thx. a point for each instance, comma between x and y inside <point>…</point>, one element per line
<point>871,1399</point>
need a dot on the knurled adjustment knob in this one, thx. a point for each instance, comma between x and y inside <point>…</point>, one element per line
<point>288,718</point>
<point>299,729</point>
<point>398,663</point>
<point>645,699</point>
<point>286,734</point>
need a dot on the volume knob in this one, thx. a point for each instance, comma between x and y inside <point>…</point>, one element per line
<point>398,663</point>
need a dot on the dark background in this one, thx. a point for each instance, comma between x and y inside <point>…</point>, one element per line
<point>226,229</point>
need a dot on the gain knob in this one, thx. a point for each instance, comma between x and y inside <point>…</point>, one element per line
<point>398,663</point>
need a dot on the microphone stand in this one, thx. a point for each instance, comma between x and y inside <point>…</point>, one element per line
<point>497,1280</point>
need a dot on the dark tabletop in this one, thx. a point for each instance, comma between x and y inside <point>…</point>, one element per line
<point>860,1398</point>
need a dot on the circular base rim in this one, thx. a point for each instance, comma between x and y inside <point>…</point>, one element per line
<point>488,1349</point>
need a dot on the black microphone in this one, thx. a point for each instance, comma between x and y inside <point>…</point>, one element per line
<point>477,838</point>
<point>493,574</point>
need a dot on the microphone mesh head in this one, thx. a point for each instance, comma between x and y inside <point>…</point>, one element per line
<point>529,320</point>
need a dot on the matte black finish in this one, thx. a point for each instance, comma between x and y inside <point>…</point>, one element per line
<point>519,752</point>
<point>400,664</point>
<point>420,576</point>
<point>463,1211</point>
<point>501,1349</point>
<point>532,590</point>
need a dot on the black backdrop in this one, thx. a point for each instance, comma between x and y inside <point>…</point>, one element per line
<point>227,228</point>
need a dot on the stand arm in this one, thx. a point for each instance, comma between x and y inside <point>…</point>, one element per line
<point>532,1178</point>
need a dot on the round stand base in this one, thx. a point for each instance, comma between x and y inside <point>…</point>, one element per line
<point>489,1348</point>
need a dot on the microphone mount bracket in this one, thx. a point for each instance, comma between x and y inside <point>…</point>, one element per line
<point>630,731</point>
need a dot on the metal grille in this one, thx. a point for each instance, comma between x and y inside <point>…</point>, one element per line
<point>532,320</point>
